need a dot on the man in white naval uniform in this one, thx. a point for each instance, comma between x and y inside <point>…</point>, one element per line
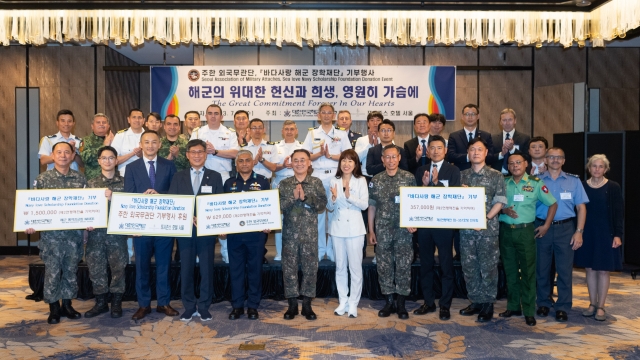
<point>265,153</point>
<point>127,141</point>
<point>65,122</point>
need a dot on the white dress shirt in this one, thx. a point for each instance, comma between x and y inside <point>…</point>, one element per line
<point>346,219</point>
<point>47,142</point>
<point>222,139</point>
<point>362,149</point>
<point>124,142</point>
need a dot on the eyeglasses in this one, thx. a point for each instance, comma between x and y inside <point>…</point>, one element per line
<point>552,157</point>
<point>326,112</point>
<point>196,152</point>
<point>470,114</point>
<point>257,128</point>
<point>390,157</point>
<point>518,162</point>
<point>109,158</point>
<point>386,131</point>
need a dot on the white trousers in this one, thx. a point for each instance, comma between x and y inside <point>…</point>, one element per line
<point>325,245</point>
<point>348,252</point>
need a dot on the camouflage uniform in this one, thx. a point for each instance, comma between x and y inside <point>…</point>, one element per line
<point>181,160</point>
<point>394,243</point>
<point>480,250</point>
<point>103,248</point>
<point>59,249</point>
<point>300,234</point>
<point>89,155</point>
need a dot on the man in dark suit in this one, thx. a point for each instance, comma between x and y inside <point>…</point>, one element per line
<point>386,131</point>
<point>459,140</point>
<point>437,173</point>
<point>416,148</point>
<point>151,174</point>
<point>344,121</point>
<point>508,141</point>
<point>196,180</point>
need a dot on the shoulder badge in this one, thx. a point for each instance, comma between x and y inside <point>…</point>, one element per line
<point>312,128</point>
<point>534,178</point>
<point>339,128</point>
<point>123,130</point>
<point>355,133</point>
<point>51,136</point>
<point>270,143</point>
<point>196,129</point>
<point>300,142</point>
<point>232,129</point>
<point>574,175</point>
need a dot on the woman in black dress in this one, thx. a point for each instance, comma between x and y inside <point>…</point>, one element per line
<point>600,251</point>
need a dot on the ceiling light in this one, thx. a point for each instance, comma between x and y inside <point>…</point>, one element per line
<point>583,3</point>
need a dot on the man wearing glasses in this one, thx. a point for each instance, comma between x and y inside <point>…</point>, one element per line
<point>387,132</point>
<point>459,140</point>
<point>325,143</point>
<point>563,237</point>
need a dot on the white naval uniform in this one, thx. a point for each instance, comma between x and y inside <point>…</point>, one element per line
<point>284,150</point>
<point>269,153</point>
<point>324,169</point>
<point>124,142</point>
<point>222,139</point>
<point>46,146</point>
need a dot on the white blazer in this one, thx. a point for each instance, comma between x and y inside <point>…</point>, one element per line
<point>346,216</point>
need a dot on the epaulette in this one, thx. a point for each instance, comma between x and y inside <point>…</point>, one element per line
<point>534,178</point>
<point>270,143</point>
<point>312,128</point>
<point>195,129</point>
<point>339,128</point>
<point>123,130</point>
<point>52,136</point>
<point>183,136</point>
<point>79,139</point>
<point>357,133</point>
<point>300,142</point>
<point>574,175</point>
<point>230,129</point>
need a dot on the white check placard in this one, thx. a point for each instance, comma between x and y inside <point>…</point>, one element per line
<point>443,207</point>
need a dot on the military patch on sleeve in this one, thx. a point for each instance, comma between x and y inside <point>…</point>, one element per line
<point>544,189</point>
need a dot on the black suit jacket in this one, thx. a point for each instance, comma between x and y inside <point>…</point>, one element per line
<point>458,144</point>
<point>447,172</point>
<point>136,178</point>
<point>410,147</point>
<point>374,160</point>
<point>181,183</point>
<point>520,139</point>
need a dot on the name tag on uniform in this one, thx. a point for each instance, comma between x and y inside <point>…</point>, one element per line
<point>397,199</point>
<point>206,189</point>
<point>518,197</point>
<point>565,196</point>
<point>444,182</point>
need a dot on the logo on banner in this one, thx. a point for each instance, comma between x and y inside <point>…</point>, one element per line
<point>194,75</point>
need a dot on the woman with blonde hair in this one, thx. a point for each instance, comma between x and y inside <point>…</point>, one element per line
<point>600,251</point>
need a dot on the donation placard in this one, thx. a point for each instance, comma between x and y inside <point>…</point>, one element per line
<point>60,209</point>
<point>443,207</point>
<point>235,213</point>
<point>151,215</point>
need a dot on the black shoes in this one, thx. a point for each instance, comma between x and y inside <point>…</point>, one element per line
<point>68,310</point>
<point>444,313</point>
<point>542,311</point>
<point>54,313</point>
<point>510,313</point>
<point>100,307</point>
<point>561,316</point>
<point>389,307</point>
<point>307,311</point>
<point>236,313</point>
<point>402,312</point>
<point>116,305</point>
<point>425,309</point>
<point>530,320</point>
<point>486,313</point>
<point>471,310</point>
<point>292,311</point>
<point>252,314</point>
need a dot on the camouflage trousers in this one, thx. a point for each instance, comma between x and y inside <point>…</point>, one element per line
<point>479,258</point>
<point>394,255</point>
<point>59,252</point>
<point>303,252</point>
<point>103,249</point>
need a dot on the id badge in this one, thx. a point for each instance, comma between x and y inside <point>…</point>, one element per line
<point>206,189</point>
<point>518,197</point>
<point>565,196</point>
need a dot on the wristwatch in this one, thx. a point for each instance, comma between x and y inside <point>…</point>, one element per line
<point>579,230</point>
<point>215,152</point>
<point>261,160</point>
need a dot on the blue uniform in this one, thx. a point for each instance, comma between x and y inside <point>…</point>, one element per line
<point>246,250</point>
<point>568,191</point>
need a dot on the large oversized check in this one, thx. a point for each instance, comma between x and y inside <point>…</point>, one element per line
<point>151,215</point>
<point>60,209</point>
<point>443,207</point>
<point>235,213</point>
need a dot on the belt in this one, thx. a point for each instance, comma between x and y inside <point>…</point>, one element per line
<point>557,222</point>
<point>517,226</point>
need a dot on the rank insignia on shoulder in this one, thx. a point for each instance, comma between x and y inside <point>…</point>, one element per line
<point>270,143</point>
<point>52,136</point>
<point>232,129</point>
<point>312,128</point>
<point>340,128</point>
<point>123,130</point>
<point>196,129</point>
<point>534,178</point>
<point>300,142</point>
<point>574,175</point>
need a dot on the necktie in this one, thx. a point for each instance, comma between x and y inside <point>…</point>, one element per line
<point>196,183</point>
<point>505,159</point>
<point>470,137</point>
<point>152,174</point>
<point>424,152</point>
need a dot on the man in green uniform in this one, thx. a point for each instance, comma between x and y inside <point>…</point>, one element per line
<point>479,248</point>
<point>517,236</point>
<point>302,197</point>
<point>102,248</point>
<point>59,248</point>
<point>101,136</point>
<point>174,145</point>
<point>394,252</point>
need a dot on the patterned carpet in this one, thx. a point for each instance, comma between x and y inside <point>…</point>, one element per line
<point>24,333</point>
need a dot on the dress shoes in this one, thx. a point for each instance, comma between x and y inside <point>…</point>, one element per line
<point>510,313</point>
<point>252,314</point>
<point>425,309</point>
<point>530,320</point>
<point>471,310</point>
<point>141,313</point>
<point>561,316</point>
<point>444,313</point>
<point>167,310</point>
<point>542,311</point>
<point>236,313</point>
<point>486,314</point>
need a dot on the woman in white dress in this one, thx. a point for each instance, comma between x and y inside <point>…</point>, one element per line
<point>348,196</point>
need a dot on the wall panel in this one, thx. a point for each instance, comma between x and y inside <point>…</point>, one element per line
<point>555,65</point>
<point>553,110</point>
<point>122,89</point>
<point>505,56</point>
<point>505,89</point>
<point>619,109</point>
<point>341,55</point>
<point>392,55</point>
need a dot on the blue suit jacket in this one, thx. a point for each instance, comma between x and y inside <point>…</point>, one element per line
<point>136,179</point>
<point>458,144</point>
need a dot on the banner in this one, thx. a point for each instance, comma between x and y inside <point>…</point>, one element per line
<point>60,209</point>
<point>236,213</point>
<point>151,215</point>
<point>295,92</point>
<point>443,207</point>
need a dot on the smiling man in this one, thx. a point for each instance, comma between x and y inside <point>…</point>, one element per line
<point>507,142</point>
<point>127,141</point>
<point>174,145</point>
<point>65,122</point>
<point>101,136</point>
<point>458,143</point>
